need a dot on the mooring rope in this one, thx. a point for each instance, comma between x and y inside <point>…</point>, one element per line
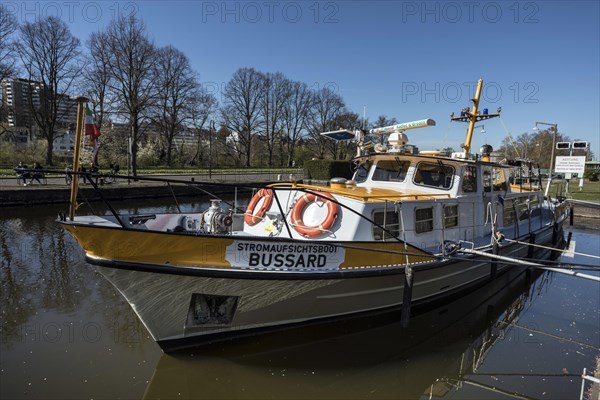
<point>551,248</point>
<point>532,264</point>
<point>485,258</point>
<point>509,136</point>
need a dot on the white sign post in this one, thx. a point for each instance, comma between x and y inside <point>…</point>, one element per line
<point>568,164</point>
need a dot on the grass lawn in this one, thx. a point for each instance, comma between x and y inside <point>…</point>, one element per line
<point>590,191</point>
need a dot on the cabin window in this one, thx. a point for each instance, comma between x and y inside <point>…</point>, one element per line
<point>522,208</point>
<point>509,212</point>
<point>450,216</point>
<point>534,202</point>
<point>487,180</point>
<point>434,175</point>
<point>362,172</point>
<point>499,180</point>
<point>469,183</point>
<point>391,170</point>
<point>389,220</point>
<point>424,220</point>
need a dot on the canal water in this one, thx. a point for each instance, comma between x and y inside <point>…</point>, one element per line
<point>66,333</point>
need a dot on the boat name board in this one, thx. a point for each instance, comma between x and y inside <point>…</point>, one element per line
<point>284,256</point>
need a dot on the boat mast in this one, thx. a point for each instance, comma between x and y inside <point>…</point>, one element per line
<point>473,116</point>
<point>78,137</point>
<point>475,101</point>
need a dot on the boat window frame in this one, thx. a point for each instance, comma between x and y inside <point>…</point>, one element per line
<point>384,236</point>
<point>469,179</point>
<point>356,177</point>
<point>522,207</point>
<point>401,166</point>
<point>449,217</point>
<point>486,177</point>
<point>499,181</point>
<point>430,220</point>
<point>509,212</point>
<point>438,164</point>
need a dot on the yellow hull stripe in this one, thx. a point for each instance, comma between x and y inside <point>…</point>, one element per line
<point>151,247</point>
<point>188,250</point>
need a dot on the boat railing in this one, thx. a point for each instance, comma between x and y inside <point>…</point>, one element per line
<point>527,217</point>
<point>94,178</point>
<point>315,191</point>
<point>520,220</point>
<point>205,188</point>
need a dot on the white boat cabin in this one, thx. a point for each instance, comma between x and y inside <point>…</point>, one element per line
<point>422,199</point>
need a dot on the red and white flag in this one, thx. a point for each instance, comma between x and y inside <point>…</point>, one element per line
<point>91,129</point>
<point>93,132</point>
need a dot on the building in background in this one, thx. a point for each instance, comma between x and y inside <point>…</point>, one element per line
<point>20,99</point>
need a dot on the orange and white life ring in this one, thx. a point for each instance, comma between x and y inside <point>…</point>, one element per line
<point>300,206</point>
<point>253,218</point>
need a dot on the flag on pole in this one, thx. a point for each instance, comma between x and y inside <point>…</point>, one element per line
<point>93,132</point>
<point>95,152</point>
<point>91,129</point>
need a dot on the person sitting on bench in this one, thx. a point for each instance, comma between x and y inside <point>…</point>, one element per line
<point>22,173</point>
<point>37,174</point>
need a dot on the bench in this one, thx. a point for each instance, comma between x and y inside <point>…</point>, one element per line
<point>23,175</point>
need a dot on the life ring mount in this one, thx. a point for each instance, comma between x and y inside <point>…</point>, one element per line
<point>302,204</point>
<point>253,218</point>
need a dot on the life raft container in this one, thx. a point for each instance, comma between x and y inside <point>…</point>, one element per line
<point>300,206</point>
<point>253,218</point>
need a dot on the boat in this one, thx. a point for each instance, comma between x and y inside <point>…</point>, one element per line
<point>436,353</point>
<point>410,230</point>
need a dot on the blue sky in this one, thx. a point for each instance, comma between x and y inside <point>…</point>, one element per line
<point>405,59</point>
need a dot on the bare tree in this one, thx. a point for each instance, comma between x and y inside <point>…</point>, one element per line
<point>49,54</point>
<point>178,85</point>
<point>295,116</point>
<point>535,147</point>
<point>97,77</point>
<point>233,149</point>
<point>203,106</point>
<point>131,86</point>
<point>380,122</point>
<point>276,91</point>
<point>8,25</point>
<point>241,111</point>
<point>341,150</point>
<point>326,108</point>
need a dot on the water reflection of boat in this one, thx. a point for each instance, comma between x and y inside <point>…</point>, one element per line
<point>370,357</point>
<point>302,253</point>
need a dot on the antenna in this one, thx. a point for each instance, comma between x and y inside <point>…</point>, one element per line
<point>364,117</point>
<point>472,116</point>
<point>403,127</point>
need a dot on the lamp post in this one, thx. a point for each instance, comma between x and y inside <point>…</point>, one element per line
<point>210,132</point>
<point>555,126</point>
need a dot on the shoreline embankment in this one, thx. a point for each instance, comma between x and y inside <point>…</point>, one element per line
<point>586,214</point>
<point>56,191</point>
